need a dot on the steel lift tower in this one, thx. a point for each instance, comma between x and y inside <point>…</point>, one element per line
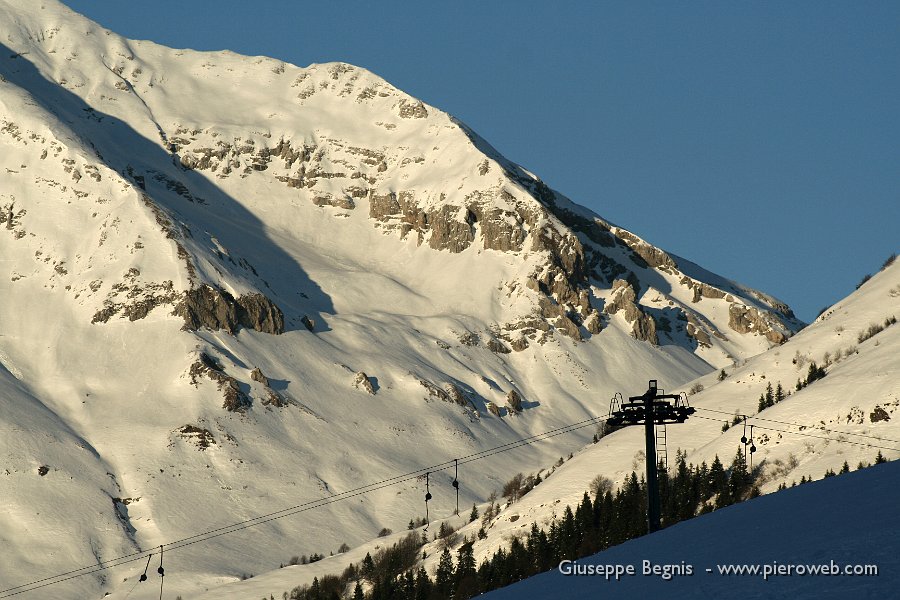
<point>650,409</point>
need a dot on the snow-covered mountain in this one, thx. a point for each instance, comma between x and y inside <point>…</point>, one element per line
<point>230,285</point>
<point>848,416</point>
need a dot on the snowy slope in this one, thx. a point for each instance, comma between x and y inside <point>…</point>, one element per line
<point>846,520</point>
<point>206,259</point>
<point>816,429</point>
<point>833,420</point>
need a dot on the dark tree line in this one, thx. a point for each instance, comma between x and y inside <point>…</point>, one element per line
<point>593,525</point>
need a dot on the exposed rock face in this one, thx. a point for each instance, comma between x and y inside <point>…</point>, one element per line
<point>363,382</point>
<point>651,255</point>
<point>456,395</point>
<point>448,233</point>
<point>593,323</point>
<point>501,230</point>
<point>273,398</point>
<point>200,436</point>
<point>493,409</point>
<point>702,290</point>
<point>412,109</point>
<point>467,338</point>
<point>695,330</point>
<point>595,230</point>
<point>623,298</point>
<point>235,398</point>
<point>879,414</point>
<point>497,346</point>
<point>746,319</point>
<point>214,308</point>
<point>520,343</point>
<point>134,299</point>
<point>257,375</point>
<point>514,401</point>
<point>329,200</point>
<point>563,277</point>
<point>433,390</point>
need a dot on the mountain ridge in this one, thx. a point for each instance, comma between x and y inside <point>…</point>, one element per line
<point>207,256</point>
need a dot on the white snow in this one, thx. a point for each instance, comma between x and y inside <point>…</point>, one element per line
<point>850,520</point>
<point>84,114</point>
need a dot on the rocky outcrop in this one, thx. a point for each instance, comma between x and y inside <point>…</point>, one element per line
<point>593,323</point>
<point>214,308</point>
<point>448,233</point>
<point>271,398</point>
<point>747,319</point>
<point>568,321</point>
<point>702,290</point>
<point>235,400</point>
<point>696,331</point>
<point>200,436</point>
<point>456,395</point>
<point>135,299</point>
<point>596,230</point>
<point>501,230</point>
<point>498,347</point>
<point>257,375</point>
<point>434,392</point>
<point>514,401</point>
<point>624,298</point>
<point>505,223</point>
<point>468,338</point>
<point>364,382</point>
<point>879,414</point>
<point>326,199</point>
<point>651,256</point>
<point>411,109</point>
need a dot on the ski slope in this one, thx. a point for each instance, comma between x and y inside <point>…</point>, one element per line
<point>842,521</point>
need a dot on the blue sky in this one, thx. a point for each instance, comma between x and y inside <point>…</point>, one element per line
<point>758,139</point>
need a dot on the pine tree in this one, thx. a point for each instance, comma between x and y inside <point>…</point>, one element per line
<point>473,516</point>
<point>358,592</point>
<point>443,578</point>
<point>466,582</point>
<point>368,567</point>
<point>770,395</point>
<point>423,585</point>
<point>717,480</point>
<point>845,468</point>
<point>779,393</point>
<point>739,479</point>
<point>568,539</point>
<point>879,458</point>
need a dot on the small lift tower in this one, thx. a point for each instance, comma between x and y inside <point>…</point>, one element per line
<point>650,409</point>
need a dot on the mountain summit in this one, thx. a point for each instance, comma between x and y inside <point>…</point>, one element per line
<point>230,285</point>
